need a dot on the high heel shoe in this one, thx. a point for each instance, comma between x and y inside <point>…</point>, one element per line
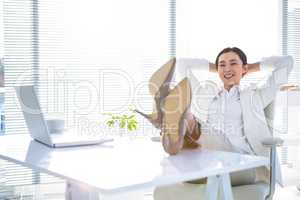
<point>152,118</point>
<point>159,86</point>
<point>174,125</point>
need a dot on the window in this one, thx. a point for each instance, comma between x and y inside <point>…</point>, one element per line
<point>77,52</point>
<point>1,32</point>
<point>20,57</point>
<point>291,46</point>
<point>97,56</point>
<point>291,35</point>
<point>204,28</point>
<point>1,70</point>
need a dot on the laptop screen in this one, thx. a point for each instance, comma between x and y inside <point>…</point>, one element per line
<point>32,112</point>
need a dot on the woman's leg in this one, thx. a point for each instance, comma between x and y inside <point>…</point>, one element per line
<point>193,132</point>
<point>189,140</point>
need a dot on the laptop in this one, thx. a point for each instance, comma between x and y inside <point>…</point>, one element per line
<point>37,125</point>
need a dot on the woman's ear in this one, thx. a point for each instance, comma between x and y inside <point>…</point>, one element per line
<point>245,70</point>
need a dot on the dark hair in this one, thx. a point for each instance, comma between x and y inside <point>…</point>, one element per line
<point>236,50</point>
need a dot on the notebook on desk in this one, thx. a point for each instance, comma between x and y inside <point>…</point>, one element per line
<point>37,125</point>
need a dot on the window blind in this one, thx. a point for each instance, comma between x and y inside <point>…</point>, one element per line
<point>205,28</point>
<point>97,56</point>
<point>291,46</point>
<point>21,63</point>
<point>20,57</point>
<point>85,58</point>
<point>291,35</point>
<point>1,28</point>
<point>66,48</point>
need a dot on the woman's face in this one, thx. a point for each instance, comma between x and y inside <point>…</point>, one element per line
<point>231,69</point>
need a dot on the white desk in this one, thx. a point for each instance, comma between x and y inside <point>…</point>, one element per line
<point>127,164</point>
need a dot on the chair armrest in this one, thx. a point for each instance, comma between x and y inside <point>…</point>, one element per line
<point>272,142</point>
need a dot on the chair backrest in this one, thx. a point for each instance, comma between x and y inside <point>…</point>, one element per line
<point>274,160</point>
<point>269,114</point>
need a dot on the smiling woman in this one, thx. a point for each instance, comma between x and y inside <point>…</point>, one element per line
<point>231,65</point>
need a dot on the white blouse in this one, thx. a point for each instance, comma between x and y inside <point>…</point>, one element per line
<point>225,119</point>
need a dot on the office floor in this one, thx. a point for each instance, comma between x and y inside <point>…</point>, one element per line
<point>56,192</point>
<point>291,193</point>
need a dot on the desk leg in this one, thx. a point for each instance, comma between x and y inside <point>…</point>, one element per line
<point>212,187</point>
<point>76,191</point>
<point>226,188</point>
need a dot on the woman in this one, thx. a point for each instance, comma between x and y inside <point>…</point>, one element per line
<point>232,117</point>
<point>222,121</point>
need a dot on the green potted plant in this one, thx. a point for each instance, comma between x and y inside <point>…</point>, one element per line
<point>123,121</point>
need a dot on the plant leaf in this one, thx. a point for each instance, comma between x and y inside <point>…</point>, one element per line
<point>134,126</point>
<point>110,114</point>
<point>129,127</point>
<point>110,123</point>
<point>122,124</point>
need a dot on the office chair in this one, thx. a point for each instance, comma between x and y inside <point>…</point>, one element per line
<point>263,190</point>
